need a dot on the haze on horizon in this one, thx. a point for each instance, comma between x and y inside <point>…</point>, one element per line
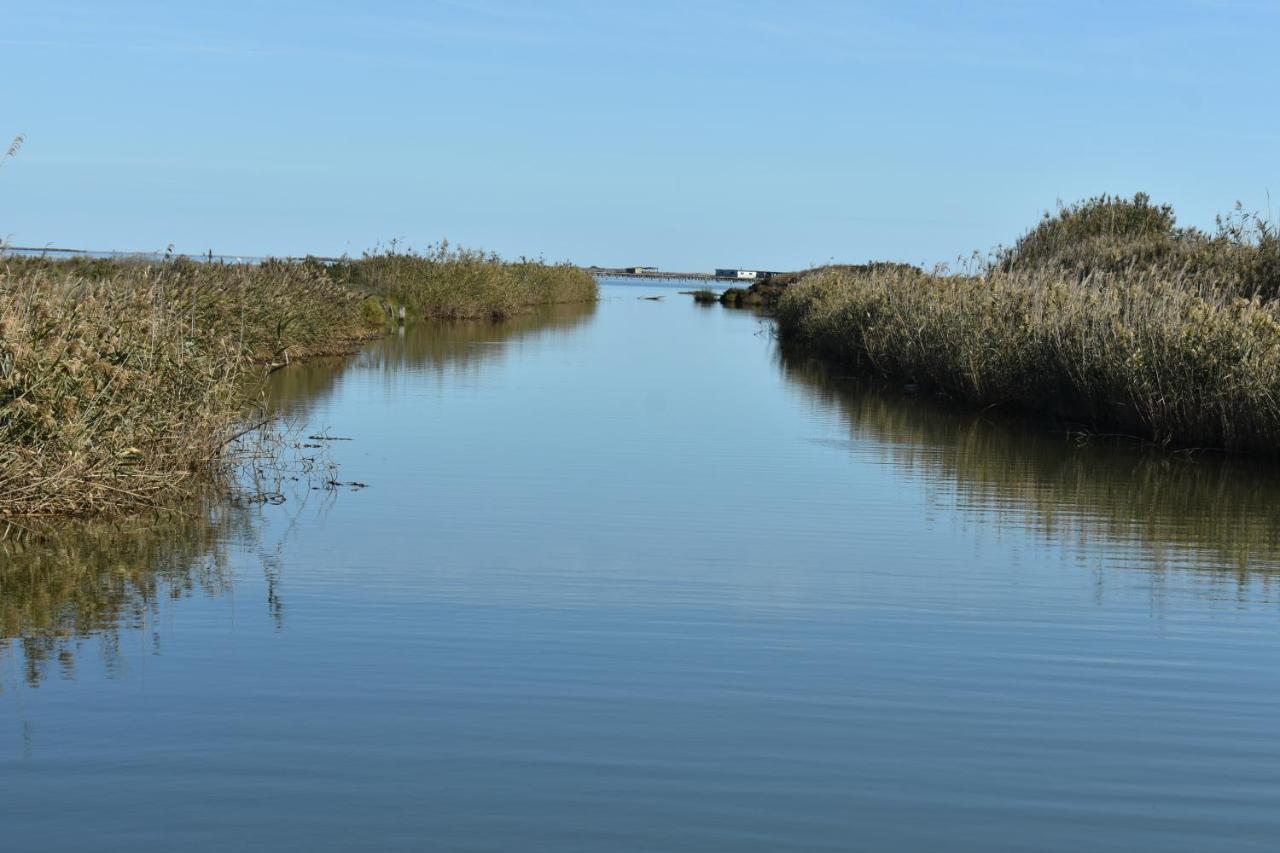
<point>683,135</point>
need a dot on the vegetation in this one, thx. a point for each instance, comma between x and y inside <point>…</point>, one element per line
<point>1106,313</point>
<point>766,293</point>
<point>463,284</point>
<point>1116,236</point>
<point>761,294</point>
<point>121,381</point>
<point>117,383</point>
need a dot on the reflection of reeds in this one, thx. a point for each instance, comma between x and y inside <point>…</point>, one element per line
<point>1106,314</point>
<point>436,345</point>
<point>63,581</point>
<point>1215,511</point>
<point>59,586</point>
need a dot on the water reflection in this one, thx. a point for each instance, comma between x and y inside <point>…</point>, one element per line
<point>64,584</point>
<point>61,584</point>
<point>453,346</point>
<point>637,568</point>
<point>1207,514</point>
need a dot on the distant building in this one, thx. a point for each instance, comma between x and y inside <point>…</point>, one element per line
<point>744,274</point>
<point>641,270</point>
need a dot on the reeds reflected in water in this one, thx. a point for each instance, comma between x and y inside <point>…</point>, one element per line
<point>1212,514</point>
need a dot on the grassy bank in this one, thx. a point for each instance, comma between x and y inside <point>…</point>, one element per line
<point>461,284</point>
<point>1107,314</point>
<point>122,384</point>
<point>118,383</point>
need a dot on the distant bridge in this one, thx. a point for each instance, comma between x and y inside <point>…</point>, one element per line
<point>210,257</point>
<point>624,272</point>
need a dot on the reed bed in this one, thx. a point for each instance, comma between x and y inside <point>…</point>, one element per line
<point>118,384</point>
<point>1179,343</point>
<point>122,383</point>
<point>1117,236</point>
<point>462,284</point>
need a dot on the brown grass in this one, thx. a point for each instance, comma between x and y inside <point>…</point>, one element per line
<point>123,383</point>
<point>1157,347</point>
<point>457,284</point>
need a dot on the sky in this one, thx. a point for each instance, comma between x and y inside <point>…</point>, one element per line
<point>686,135</point>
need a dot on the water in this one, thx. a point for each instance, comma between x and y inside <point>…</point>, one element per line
<point>627,578</point>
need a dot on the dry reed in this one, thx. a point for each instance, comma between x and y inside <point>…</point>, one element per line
<point>123,383</point>
<point>1177,345</point>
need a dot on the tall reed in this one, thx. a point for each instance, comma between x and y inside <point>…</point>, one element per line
<point>116,388</point>
<point>122,382</point>
<point>449,283</point>
<point>1184,353</point>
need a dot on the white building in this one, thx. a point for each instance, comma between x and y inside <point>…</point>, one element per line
<point>741,274</point>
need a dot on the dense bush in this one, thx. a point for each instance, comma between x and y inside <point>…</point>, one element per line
<point>1115,235</point>
<point>1106,314</point>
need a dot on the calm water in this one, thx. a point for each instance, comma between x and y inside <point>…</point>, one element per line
<point>626,578</point>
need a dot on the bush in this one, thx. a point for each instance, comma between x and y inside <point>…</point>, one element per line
<point>1183,354</point>
<point>1108,234</point>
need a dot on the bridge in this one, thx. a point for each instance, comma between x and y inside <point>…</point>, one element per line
<point>113,254</point>
<point>210,257</point>
<point>626,272</point>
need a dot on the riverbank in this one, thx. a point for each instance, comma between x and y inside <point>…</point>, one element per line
<point>461,284</point>
<point>123,384</point>
<point>1106,314</point>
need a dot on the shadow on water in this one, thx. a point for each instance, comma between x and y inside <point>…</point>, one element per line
<point>68,583</point>
<point>1208,514</point>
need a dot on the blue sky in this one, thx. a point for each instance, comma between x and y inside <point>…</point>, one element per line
<point>683,134</point>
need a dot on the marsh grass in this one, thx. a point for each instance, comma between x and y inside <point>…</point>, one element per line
<point>1186,354</point>
<point>124,382</point>
<point>462,284</point>
<point>1113,236</point>
<point>119,383</point>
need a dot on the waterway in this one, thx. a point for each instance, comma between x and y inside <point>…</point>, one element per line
<point>627,577</point>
